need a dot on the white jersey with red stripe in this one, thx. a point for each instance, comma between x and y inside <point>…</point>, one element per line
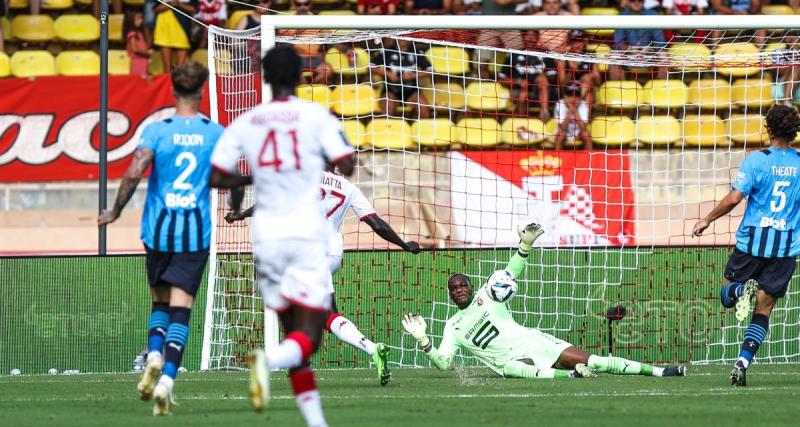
<point>286,144</point>
<point>339,195</point>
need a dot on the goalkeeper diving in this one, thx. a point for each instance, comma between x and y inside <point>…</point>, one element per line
<point>485,328</point>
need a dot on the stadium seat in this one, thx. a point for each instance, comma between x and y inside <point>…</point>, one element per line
<point>448,60</point>
<point>776,9</point>
<point>710,93</point>
<point>446,96</point>
<point>77,28</point>
<point>613,131</point>
<point>115,21</point>
<point>658,130</point>
<point>774,53</point>
<point>200,56</point>
<point>156,64</point>
<point>705,130</point>
<point>602,51</point>
<point>753,92</point>
<point>338,12</point>
<point>8,34</point>
<point>487,96</point>
<point>356,62</point>
<point>747,129</point>
<point>234,18</point>
<point>32,63</point>
<point>320,94</point>
<point>119,63</point>
<point>691,56</point>
<point>355,132</point>
<point>134,2</point>
<point>603,11</point>
<point>551,129</point>
<point>57,4</point>
<point>620,94</point>
<point>354,100</point>
<point>33,28</point>
<point>5,65</point>
<point>394,134</point>
<point>737,59</point>
<point>18,4</point>
<point>78,63</point>
<point>521,131</point>
<point>477,132</point>
<point>432,132</point>
<point>665,93</point>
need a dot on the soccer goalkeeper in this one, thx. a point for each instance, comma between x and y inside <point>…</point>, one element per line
<point>484,327</point>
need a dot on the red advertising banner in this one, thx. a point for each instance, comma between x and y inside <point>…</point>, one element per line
<point>49,126</point>
<point>582,198</point>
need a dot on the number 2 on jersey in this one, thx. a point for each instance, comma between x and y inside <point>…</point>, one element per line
<point>269,155</point>
<point>191,164</point>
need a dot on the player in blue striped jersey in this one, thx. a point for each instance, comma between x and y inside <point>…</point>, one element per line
<point>176,225</point>
<point>767,245</point>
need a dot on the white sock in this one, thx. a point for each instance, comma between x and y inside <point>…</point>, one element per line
<point>346,331</point>
<point>153,354</point>
<point>167,382</point>
<point>658,372</point>
<point>310,406</point>
<point>745,363</point>
<point>287,355</point>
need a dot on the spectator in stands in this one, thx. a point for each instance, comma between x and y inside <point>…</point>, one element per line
<point>210,12</point>
<point>377,7</point>
<point>685,7</point>
<point>428,7</point>
<point>468,7</point>
<point>116,6</point>
<point>405,69</point>
<point>639,42</point>
<point>587,74</point>
<point>653,5</point>
<point>172,31</point>
<point>572,113</point>
<point>739,7</point>
<point>534,6</point>
<point>526,76</point>
<point>311,53</point>
<point>253,18</point>
<point>136,42</point>
<point>553,40</point>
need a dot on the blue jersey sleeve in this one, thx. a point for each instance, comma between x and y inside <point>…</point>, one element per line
<point>149,137</point>
<point>748,174</point>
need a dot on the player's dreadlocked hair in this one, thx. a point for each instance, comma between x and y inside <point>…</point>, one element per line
<point>783,122</point>
<point>282,67</point>
<point>188,79</point>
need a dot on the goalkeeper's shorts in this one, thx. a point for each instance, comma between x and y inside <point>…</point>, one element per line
<point>543,348</point>
<point>293,272</point>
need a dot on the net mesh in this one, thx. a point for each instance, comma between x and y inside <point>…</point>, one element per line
<point>464,135</point>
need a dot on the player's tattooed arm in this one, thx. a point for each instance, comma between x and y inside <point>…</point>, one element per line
<point>724,207</point>
<point>142,158</point>
<point>383,229</point>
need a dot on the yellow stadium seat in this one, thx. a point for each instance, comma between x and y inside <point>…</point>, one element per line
<point>354,100</point>
<point>320,94</point>
<point>521,131</point>
<point>32,63</point>
<point>658,130</point>
<point>551,129</point>
<point>601,51</point>
<point>613,131</point>
<point>776,9</point>
<point>774,51</point>
<point>78,63</point>
<point>477,132</point>
<point>200,56</point>
<point>446,95</point>
<point>119,63</point>
<point>348,64</point>
<point>710,93</point>
<point>156,64</point>
<point>620,94</point>
<point>57,4</point>
<point>33,28</point>
<point>77,28</point>
<point>432,132</point>
<point>487,96</point>
<point>448,60</point>
<point>235,17</point>
<point>706,130</point>
<point>134,2</point>
<point>18,4</point>
<point>394,134</point>
<point>665,93</point>
<point>753,92</point>
<point>115,27</point>
<point>747,129</point>
<point>603,11</point>
<point>737,59</point>
<point>355,132</point>
<point>338,12</point>
<point>8,34</point>
<point>5,65</point>
<point>690,56</point>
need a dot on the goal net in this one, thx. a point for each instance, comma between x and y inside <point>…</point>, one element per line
<point>615,141</point>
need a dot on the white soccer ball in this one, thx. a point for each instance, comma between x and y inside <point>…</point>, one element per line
<point>501,286</point>
<point>53,371</point>
<point>16,372</point>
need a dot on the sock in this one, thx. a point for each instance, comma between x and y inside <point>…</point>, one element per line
<point>157,327</point>
<point>177,337</point>
<point>291,352</point>
<point>307,397</point>
<point>730,293</point>
<point>620,366</point>
<point>346,331</point>
<point>517,369</point>
<point>753,337</point>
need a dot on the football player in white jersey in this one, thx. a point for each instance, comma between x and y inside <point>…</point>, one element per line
<point>484,326</point>
<point>338,195</point>
<point>286,142</point>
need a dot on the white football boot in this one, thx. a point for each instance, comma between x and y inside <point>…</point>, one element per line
<point>152,371</point>
<point>259,380</point>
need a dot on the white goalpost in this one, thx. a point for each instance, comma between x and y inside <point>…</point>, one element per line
<point>459,145</point>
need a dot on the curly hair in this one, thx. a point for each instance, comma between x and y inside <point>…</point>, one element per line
<point>783,122</point>
<point>282,67</point>
<point>188,79</point>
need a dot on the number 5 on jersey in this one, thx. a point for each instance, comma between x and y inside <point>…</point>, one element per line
<point>270,151</point>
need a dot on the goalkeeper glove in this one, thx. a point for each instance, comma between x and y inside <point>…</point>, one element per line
<point>415,325</point>
<point>527,235</point>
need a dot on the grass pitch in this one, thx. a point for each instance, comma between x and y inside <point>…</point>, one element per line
<point>418,397</point>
